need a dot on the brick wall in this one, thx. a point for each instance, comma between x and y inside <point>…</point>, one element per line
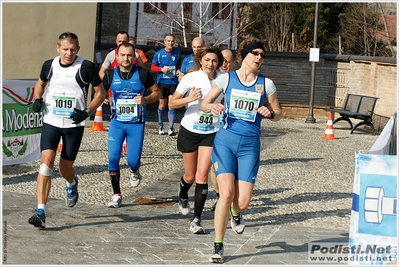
<point>334,78</point>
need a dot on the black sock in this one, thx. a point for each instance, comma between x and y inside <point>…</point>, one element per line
<point>115,177</point>
<point>201,192</point>
<point>184,187</point>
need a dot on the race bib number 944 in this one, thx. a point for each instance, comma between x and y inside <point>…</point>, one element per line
<point>205,122</point>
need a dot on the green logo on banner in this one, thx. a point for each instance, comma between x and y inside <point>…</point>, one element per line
<point>15,148</point>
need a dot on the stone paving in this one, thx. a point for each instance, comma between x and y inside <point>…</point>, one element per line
<point>302,196</point>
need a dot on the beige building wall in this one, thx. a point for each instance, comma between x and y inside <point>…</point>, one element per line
<point>30,32</point>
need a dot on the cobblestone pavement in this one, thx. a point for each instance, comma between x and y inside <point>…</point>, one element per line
<point>302,195</point>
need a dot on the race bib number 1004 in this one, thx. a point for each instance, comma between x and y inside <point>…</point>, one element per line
<point>126,110</point>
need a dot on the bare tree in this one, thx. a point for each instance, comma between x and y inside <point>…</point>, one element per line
<point>189,20</point>
<point>387,33</point>
<point>360,25</point>
<point>279,28</point>
<point>270,22</point>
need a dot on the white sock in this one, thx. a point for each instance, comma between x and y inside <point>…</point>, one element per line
<point>73,183</point>
<point>42,206</point>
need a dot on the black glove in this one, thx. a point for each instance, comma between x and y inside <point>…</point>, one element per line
<point>37,105</point>
<point>78,116</point>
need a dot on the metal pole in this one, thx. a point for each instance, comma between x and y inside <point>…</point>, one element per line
<point>293,42</point>
<point>97,46</point>
<point>99,29</point>
<point>310,118</point>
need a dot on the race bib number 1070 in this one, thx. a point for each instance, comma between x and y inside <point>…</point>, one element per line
<point>243,104</point>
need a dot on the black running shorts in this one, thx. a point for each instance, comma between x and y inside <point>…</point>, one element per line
<point>188,141</point>
<point>71,139</point>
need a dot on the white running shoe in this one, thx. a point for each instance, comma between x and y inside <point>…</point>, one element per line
<point>237,223</point>
<point>217,253</point>
<point>196,227</point>
<point>184,206</point>
<point>115,202</point>
<point>160,130</point>
<point>171,132</point>
<point>135,178</point>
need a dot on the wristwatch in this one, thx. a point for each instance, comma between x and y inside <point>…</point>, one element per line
<point>88,111</point>
<point>271,115</point>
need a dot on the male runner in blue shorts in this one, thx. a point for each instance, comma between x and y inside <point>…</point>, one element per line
<point>166,63</point>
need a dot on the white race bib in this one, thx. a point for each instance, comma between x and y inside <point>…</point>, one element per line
<point>63,104</point>
<point>171,73</point>
<point>205,121</point>
<point>126,110</point>
<point>243,104</point>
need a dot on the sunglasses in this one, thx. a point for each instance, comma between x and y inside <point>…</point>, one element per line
<point>66,34</point>
<point>256,53</point>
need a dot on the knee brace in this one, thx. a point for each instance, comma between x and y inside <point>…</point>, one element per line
<point>45,170</point>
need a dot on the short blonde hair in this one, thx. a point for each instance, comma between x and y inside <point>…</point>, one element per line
<point>68,35</point>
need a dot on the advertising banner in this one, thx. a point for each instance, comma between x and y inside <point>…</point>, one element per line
<point>374,209</point>
<point>21,125</point>
<point>373,230</point>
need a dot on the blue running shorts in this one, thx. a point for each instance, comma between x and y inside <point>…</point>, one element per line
<point>236,154</point>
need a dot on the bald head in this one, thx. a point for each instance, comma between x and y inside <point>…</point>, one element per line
<point>229,61</point>
<point>197,42</point>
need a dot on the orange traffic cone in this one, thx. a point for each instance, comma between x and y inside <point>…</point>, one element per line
<point>98,121</point>
<point>329,134</point>
<point>59,149</point>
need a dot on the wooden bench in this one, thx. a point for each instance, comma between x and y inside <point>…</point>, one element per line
<point>357,107</point>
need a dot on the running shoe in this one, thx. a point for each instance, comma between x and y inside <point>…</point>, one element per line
<point>196,227</point>
<point>135,177</point>
<point>237,223</point>
<point>184,206</point>
<point>217,253</point>
<point>72,194</point>
<point>171,132</point>
<point>38,219</point>
<point>160,130</point>
<point>115,202</point>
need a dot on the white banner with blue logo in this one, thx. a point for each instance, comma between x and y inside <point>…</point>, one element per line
<point>373,230</point>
